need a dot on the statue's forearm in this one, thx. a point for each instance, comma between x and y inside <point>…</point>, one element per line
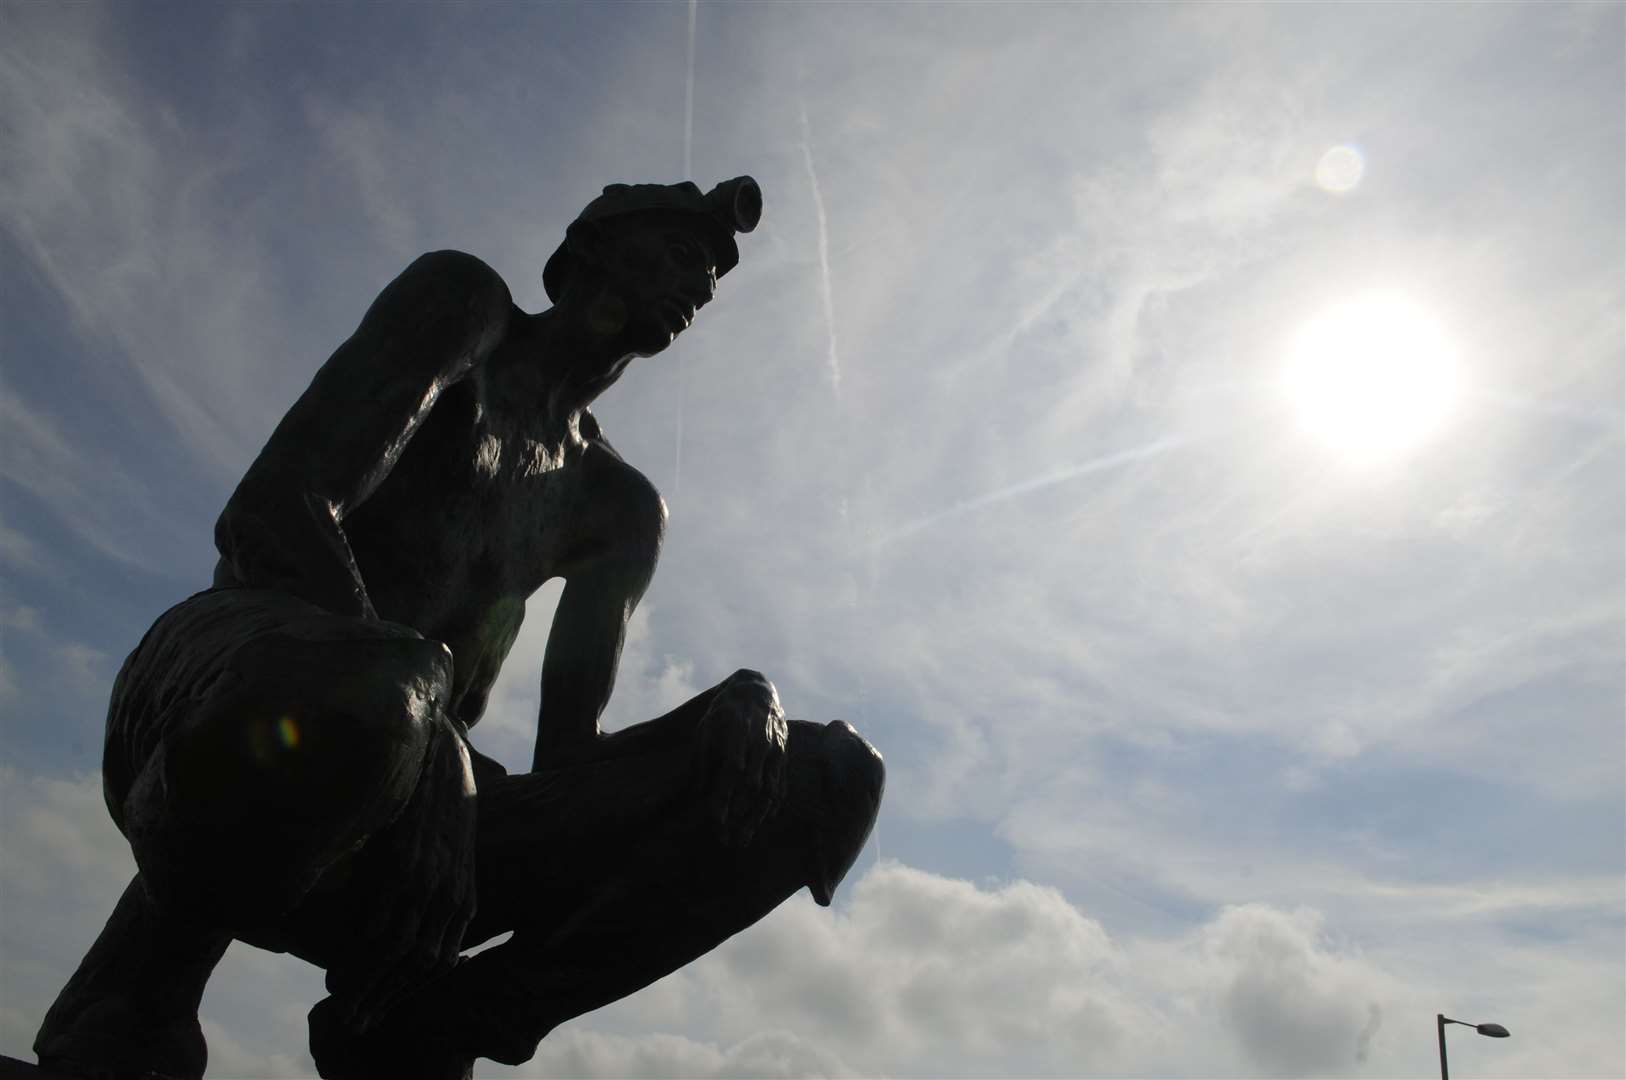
<point>575,687</point>
<point>566,737</point>
<point>279,536</point>
<point>584,651</point>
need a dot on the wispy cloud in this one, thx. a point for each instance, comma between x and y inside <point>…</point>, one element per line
<point>95,195</point>
<point>92,494</point>
<point>1037,483</point>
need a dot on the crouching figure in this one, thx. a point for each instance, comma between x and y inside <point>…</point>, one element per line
<point>288,751</point>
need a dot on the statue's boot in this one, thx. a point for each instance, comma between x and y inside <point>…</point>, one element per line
<point>131,1010</point>
<point>613,876</point>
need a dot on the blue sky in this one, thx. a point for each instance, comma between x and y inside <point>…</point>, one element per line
<point>1213,750</point>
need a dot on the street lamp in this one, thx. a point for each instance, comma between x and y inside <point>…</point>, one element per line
<point>1495,1031</point>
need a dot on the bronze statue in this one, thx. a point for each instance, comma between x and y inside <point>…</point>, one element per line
<point>287,752</point>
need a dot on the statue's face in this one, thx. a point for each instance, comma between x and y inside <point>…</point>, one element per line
<point>659,270</point>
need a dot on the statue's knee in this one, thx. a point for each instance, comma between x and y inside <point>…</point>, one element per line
<point>384,694</point>
<point>322,718</point>
<point>851,780</point>
<point>300,749</point>
<point>306,736</point>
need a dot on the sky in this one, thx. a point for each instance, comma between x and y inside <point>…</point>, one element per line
<point>1241,713</point>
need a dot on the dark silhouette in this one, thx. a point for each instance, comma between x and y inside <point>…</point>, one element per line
<point>287,752</point>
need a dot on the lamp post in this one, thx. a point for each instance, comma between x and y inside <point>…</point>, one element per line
<point>1495,1031</point>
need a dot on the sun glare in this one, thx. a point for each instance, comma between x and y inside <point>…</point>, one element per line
<point>1371,378</point>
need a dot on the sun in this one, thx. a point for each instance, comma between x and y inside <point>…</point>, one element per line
<point>1372,377</point>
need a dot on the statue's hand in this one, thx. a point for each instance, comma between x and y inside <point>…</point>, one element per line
<point>740,755</point>
<point>423,864</point>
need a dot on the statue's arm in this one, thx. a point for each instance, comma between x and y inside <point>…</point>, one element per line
<point>607,570</point>
<point>736,728</point>
<point>736,731</point>
<point>578,674</point>
<point>283,526</point>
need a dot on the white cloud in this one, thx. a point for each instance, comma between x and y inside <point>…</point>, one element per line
<point>1296,1007</point>
<point>918,974</point>
<point>253,1015</point>
<point>229,1060</point>
<point>579,1052</point>
<point>58,831</point>
<point>926,975</point>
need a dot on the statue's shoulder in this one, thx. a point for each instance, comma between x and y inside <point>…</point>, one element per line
<point>454,272</point>
<point>453,307</point>
<point>440,316</point>
<point>611,472</point>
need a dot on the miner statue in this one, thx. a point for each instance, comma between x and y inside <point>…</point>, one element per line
<point>288,751</point>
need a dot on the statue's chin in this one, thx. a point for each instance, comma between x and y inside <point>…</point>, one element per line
<point>646,337</point>
<point>646,349</point>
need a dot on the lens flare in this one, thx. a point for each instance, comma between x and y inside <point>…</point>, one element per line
<point>1340,169</point>
<point>288,733</point>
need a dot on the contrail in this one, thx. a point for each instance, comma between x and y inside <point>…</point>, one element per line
<point>688,174</point>
<point>1050,479</point>
<point>824,246</point>
<point>688,99</point>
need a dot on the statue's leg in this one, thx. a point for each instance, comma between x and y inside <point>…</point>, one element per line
<point>612,875</point>
<point>132,1006</point>
<point>278,737</point>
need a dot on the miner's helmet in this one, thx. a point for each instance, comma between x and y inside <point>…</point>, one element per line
<point>730,207</point>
